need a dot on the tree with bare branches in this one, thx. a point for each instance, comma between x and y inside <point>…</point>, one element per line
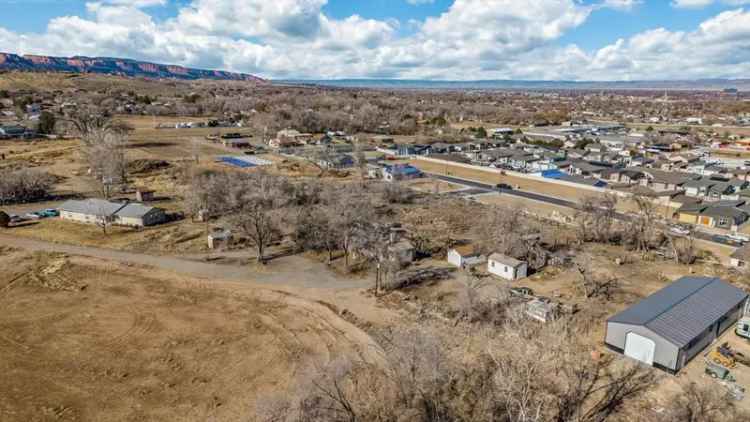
<point>258,224</point>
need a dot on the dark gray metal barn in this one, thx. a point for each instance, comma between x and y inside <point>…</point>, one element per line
<point>673,325</point>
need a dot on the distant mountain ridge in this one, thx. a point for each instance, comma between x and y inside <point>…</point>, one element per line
<point>658,85</point>
<point>114,66</point>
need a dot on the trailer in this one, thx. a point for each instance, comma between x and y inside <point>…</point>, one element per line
<point>743,324</point>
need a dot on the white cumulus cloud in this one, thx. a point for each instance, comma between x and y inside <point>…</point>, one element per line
<point>472,39</point>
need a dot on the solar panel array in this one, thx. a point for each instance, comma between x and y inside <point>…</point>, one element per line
<point>244,162</point>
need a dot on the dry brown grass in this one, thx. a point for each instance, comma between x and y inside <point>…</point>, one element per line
<point>129,347</point>
<point>179,237</point>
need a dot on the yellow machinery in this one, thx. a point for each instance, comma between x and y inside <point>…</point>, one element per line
<point>722,359</point>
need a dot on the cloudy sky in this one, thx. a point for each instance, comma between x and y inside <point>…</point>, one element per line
<point>406,39</point>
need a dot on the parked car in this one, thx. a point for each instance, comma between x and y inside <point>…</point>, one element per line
<point>679,230</point>
<point>32,216</point>
<point>48,213</point>
<point>738,237</point>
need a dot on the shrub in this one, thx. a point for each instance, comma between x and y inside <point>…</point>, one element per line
<point>24,186</point>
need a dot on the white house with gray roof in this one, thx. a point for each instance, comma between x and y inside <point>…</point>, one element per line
<point>673,325</point>
<point>98,211</point>
<point>506,267</point>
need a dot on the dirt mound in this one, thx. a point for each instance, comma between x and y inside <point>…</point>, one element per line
<point>142,166</point>
<point>54,272</point>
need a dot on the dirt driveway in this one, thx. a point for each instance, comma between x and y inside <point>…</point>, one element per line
<point>291,271</point>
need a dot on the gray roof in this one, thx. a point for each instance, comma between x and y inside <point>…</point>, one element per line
<point>676,178</point>
<point>92,207</point>
<point>683,310</point>
<point>134,210</point>
<point>99,207</point>
<point>505,260</point>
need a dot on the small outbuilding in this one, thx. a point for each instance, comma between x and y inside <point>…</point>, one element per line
<point>219,238</point>
<point>465,256</point>
<point>506,267</point>
<point>672,326</point>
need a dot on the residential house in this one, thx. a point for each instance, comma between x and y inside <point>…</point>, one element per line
<point>675,324</point>
<point>294,136</point>
<point>405,150</point>
<point>97,211</point>
<point>400,172</point>
<point>522,161</point>
<point>627,176</point>
<point>506,267</point>
<point>441,148</point>
<point>585,168</point>
<point>722,215</point>
<point>465,256</point>
<point>660,181</point>
<point>337,161</point>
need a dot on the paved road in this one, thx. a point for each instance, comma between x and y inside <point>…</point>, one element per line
<point>291,271</point>
<point>487,188</point>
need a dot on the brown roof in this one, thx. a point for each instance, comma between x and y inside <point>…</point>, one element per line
<point>466,250</point>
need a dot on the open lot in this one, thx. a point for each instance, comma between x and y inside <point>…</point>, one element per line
<point>107,342</point>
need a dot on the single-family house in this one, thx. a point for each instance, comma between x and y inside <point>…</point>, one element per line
<point>98,211</point>
<point>400,172</point>
<point>337,161</point>
<point>660,181</point>
<point>506,267</point>
<point>405,150</point>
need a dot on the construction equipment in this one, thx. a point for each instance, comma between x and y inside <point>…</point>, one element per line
<point>724,359</point>
<point>727,351</point>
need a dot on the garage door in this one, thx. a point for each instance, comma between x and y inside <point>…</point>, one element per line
<point>640,348</point>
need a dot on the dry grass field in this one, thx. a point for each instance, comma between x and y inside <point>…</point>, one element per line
<point>179,237</point>
<point>43,81</point>
<point>95,342</point>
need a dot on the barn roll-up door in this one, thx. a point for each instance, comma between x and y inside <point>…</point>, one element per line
<point>640,348</point>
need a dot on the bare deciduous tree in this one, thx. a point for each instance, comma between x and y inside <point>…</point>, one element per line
<point>24,185</point>
<point>596,218</point>
<point>641,229</point>
<point>258,224</point>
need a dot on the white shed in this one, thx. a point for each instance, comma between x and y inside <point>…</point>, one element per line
<point>465,256</point>
<point>506,267</point>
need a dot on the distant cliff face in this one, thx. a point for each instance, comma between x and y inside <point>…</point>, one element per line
<point>111,66</point>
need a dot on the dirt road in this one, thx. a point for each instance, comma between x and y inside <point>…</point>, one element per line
<point>292,271</point>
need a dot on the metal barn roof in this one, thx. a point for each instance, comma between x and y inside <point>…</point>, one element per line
<point>683,310</point>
